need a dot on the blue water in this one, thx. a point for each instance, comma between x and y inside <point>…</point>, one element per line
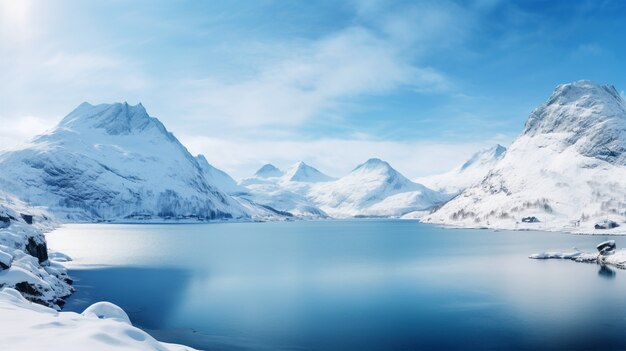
<point>347,285</point>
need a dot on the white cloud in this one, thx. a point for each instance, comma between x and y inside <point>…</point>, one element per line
<point>303,86</point>
<point>336,157</point>
<point>47,74</point>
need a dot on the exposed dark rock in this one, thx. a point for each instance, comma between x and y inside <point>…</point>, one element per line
<point>27,288</point>
<point>608,224</point>
<point>37,250</point>
<point>531,219</point>
<point>606,246</point>
<point>4,221</point>
<point>27,218</point>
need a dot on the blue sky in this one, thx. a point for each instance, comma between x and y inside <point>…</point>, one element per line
<point>422,84</point>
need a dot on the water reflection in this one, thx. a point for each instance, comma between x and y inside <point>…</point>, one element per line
<point>348,285</point>
<point>606,272</point>
<point>148,295</point>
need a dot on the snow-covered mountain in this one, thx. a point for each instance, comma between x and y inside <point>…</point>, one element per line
<point>285,191</point>
<point>566,171</point>
<point>268,171</point>
<point>112,162</point>
<point>469,173</point>
<point>301,172</point>
<point>375,189</point>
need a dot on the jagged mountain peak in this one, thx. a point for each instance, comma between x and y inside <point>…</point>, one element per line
<point>575,106</point>
<point>302,172</point>
<point>268,171</point>
<point>118,118</point>
<point>114,161</point>
<point>590,116</point>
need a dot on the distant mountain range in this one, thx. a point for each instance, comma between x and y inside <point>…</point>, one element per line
<point>113,162</point>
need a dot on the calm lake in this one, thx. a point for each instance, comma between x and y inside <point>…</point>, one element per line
<point>347,285</point>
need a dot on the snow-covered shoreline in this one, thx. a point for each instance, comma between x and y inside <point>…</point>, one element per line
<point>33,286</point>
<point>101,327</point>
<point>616,258</point>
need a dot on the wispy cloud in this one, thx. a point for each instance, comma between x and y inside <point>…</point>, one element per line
<point>355,61</point>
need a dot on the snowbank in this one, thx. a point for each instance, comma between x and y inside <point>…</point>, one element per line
<point>615,258</point>
<point>28,326</point>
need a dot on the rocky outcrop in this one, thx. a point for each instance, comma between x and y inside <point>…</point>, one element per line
<point>25,265</point>
<point>37,249</point>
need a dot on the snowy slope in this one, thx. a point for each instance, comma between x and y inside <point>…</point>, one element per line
<point>373,188</point>
<point>469,173</point>
<point>101,327</point>
<point>113,162</point>
<point>217,177</point>
<point>567,168</point>
<point>278,197</point>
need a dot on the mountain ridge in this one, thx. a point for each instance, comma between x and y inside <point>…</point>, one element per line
<point>112,162</point>
<point>552,172</point>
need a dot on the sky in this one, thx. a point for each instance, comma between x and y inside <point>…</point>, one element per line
<point>420,84</point>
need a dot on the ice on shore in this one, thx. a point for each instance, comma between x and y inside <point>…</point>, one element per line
<point>615,258</point>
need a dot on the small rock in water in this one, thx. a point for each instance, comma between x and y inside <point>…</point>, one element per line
<point>606,246</point>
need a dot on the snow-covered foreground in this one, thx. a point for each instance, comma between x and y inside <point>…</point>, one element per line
<point>33,286</point>
<point>24,260</point>
<point>28,326</point>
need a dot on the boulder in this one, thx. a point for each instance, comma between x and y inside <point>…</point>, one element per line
<point>530,219</point>
<point>27,218</point>
<point>4,222</point>
<point>608,224</point>
<point>606,246</point>
<point>39,250</point>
